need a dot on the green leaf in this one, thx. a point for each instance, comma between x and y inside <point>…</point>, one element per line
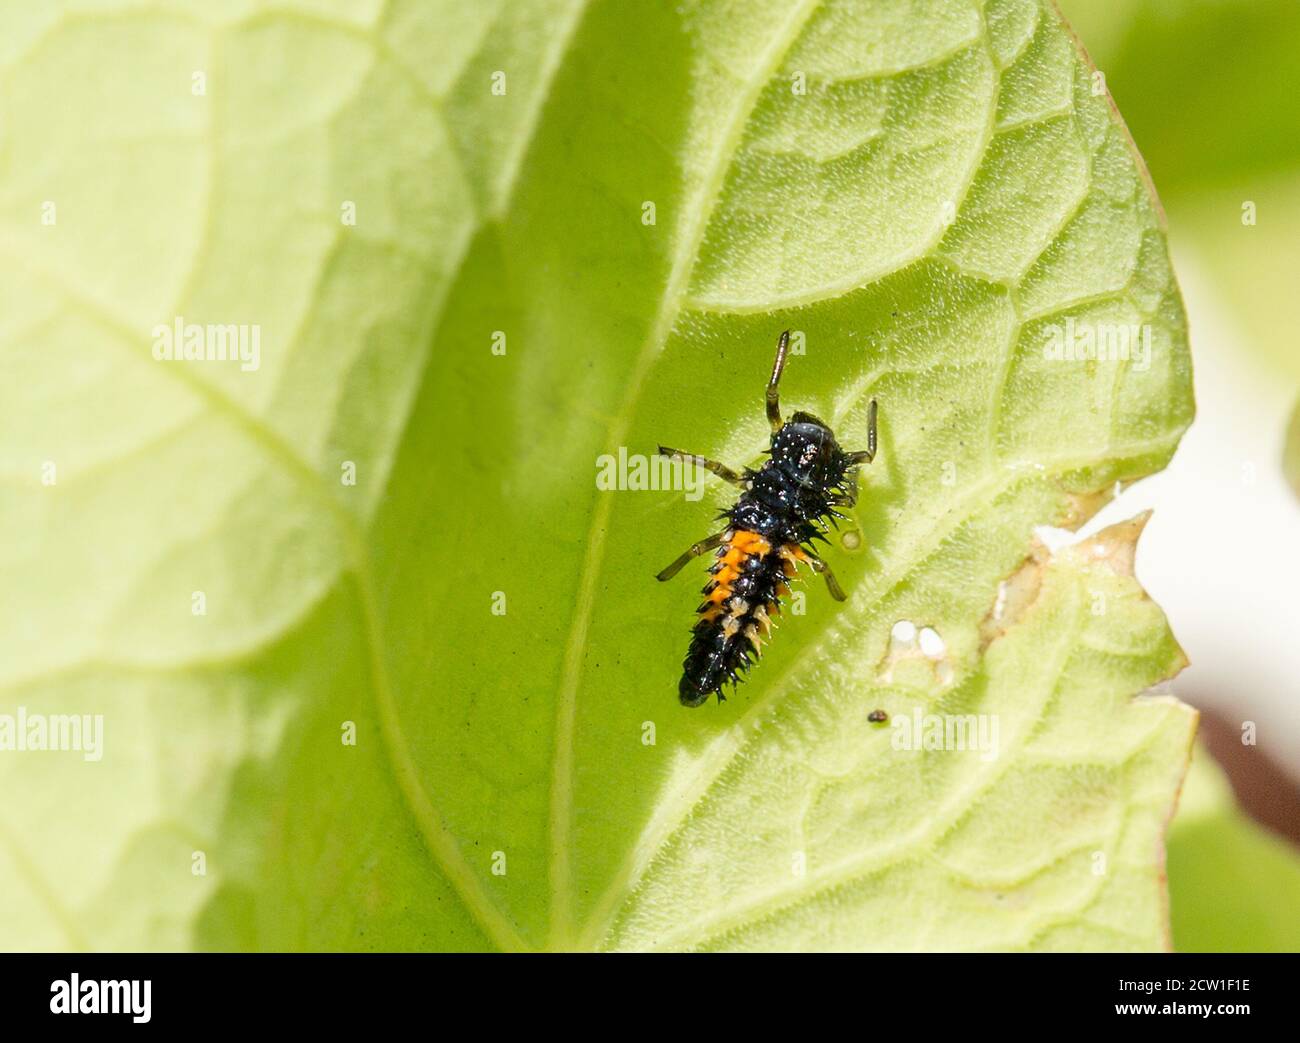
<point>1291,450</point>
<point>944,193</point>
<point>1231,883</point>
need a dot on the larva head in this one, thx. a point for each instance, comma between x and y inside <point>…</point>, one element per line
<point>806,450</point>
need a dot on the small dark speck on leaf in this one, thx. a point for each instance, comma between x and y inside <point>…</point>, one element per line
<point>877,717</point>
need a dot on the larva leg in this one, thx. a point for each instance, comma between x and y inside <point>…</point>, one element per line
<point>832,584</point>
<point>870,453</point>
<point>694,551</point>
<point>721,470</point>
<point>772,400</point>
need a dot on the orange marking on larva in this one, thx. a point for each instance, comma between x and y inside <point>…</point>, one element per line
<point>750,543</point>
<point>728,566</point>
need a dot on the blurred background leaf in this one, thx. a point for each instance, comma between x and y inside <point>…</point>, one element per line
<point>1291,452</point>
<point>1233,886</point>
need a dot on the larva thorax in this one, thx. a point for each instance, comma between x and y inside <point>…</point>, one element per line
<point>793,491</point>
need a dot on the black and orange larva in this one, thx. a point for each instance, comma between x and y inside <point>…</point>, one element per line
<point>784,506</point>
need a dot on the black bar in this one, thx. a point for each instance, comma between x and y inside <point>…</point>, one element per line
<point>333,992</point>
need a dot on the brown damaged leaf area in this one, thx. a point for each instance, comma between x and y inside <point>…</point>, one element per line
<point>1113,548</point>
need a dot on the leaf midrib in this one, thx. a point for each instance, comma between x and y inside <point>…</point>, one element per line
<point>696,217</point>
